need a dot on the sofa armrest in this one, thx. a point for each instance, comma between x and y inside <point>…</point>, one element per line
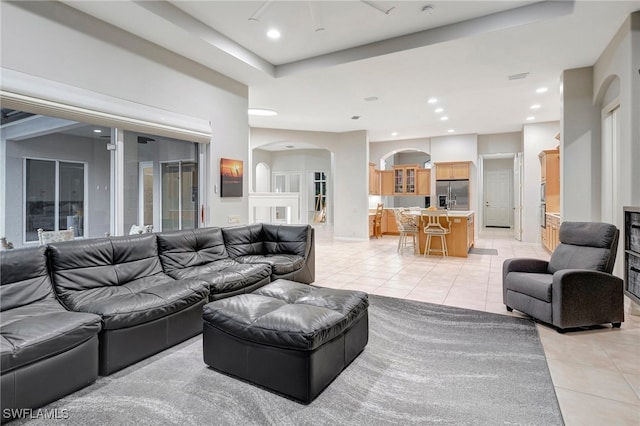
<point>524,264</point>
<point>584,297</point>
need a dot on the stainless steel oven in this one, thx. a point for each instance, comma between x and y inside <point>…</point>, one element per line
<point>543,215</point>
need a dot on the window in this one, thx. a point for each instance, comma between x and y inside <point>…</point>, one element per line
<point>320,197</point>
<point>54,194</point>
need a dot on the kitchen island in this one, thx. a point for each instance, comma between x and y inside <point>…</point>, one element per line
<point>461,237</point>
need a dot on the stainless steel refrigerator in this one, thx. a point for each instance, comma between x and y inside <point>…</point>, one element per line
<point>453,194</point>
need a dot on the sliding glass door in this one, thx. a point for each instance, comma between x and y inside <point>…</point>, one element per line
<point>54,195</point>
<point>179,195</point>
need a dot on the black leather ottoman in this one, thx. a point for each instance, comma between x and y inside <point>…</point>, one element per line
<point>288,337</point>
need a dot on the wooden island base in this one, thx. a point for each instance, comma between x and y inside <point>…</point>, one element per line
<point>459,241</point>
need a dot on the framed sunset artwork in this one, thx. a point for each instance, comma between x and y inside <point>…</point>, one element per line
<point>231,172</point>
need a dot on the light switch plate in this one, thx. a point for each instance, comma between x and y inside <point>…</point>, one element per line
<point>233,219</point>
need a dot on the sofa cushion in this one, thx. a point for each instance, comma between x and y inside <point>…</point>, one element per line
<point>21,285</point>
<point>189,248</point>
<point>81,265</point>
<point>120,279</point>
<point>40,330</point>
<point>280,263</point>
<point>288,239</point>
<point>244,240</point>
<point>226,275</point>
<point>531,284</point>
<point>139,301</point>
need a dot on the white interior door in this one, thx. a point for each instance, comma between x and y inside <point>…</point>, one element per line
<point>517,196</point>
<point>497,195</point>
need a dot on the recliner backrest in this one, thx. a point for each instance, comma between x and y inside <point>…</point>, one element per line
<point>24,277</point>
<point>585,245</point>
<point>187,248</point>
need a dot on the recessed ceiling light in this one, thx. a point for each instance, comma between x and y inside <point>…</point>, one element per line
<point>541,89</point>
<point>439,110</point>
<point>262,112</point>
<point>531,117</point>
<point>451,130</point>
<point>432,100</point>
<point>273,34</point>
<point>445,118</point>
<point>535,106</point>
<point>97,131</point>
<point>394,133</point>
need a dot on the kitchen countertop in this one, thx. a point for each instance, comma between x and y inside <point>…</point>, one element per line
<point>451,213</point>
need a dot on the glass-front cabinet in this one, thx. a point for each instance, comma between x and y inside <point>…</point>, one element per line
<point>404,180</point>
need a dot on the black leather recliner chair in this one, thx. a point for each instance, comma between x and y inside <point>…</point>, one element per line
<point>46,352</point>
<point>576,287</point>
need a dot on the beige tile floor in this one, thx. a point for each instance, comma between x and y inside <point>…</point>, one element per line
<point>596,372</point>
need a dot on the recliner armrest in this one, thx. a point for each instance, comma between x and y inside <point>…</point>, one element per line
<point>585,281</point>
<point>524,264</point>
<point>583,293</point>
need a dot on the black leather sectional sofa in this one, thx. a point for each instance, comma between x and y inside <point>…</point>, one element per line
<point>76,309</point>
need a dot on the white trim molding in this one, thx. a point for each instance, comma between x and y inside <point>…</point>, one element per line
<point>40,96</point>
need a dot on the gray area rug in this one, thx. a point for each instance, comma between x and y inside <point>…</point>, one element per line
<point>479,250</point>
<point>424,364</point>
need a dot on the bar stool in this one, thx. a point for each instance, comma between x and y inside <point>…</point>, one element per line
<point>433,227</point>
<point>408,227</point>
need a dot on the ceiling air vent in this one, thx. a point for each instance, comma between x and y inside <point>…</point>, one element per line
<point>518,76</point>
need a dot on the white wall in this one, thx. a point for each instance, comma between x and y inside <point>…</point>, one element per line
<point>350,165</point>
<point>458,148</point>
<point>620,64</point>
<point>306,162</point>
<point>580,152</point>
<point>259,156</point>
<point>616,79</point>
<point>500,143</point>
<point>58,43</point>
<point>382,150</point>
<point>536,138</point>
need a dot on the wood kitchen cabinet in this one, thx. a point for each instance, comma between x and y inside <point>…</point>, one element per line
<point>423,176</point>
<point>550,177</point>
<point>386,182</point>
<point>391,224</point>
<point>551,232</point>
<point>405,179</point>
<point>454,170</point>
<point>374,180</point>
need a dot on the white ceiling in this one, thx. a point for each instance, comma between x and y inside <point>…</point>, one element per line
<point>460,52</point>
